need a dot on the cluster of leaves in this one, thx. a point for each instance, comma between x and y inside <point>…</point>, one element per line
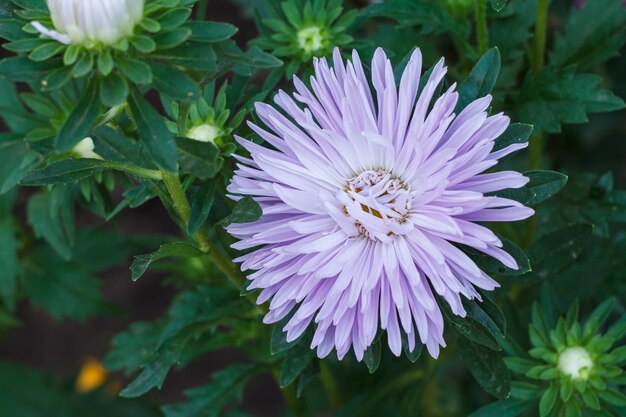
<point>54,96</point>
<point>550,339</point>
<point>298,31</point>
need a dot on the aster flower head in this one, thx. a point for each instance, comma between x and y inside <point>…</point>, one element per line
<point>367,196</point>
<point>571,367</point>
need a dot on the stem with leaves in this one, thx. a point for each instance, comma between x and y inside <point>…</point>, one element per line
<point>482,33</point>
<point>181,206</point>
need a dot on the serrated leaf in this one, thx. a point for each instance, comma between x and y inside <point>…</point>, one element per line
<point>552,98</point>
<point>591,35</point>
<point>63,289</point>
<point>176,249</point>
<point>47,225</point>
<point>193,314</point>
<point>208,400</point>
<point>487,367</point>
<point>246,211</point>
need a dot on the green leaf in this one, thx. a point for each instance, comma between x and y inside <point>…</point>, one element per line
<point>8,262</point>
<point>134,347</point>
<point>476,326</point>
<point>210,31</point>
<point>174,83</point>
<point>23,69</point>
<point>487,367</point>
<point>371,357</point>
<point>114,145</point>
<point>191,55</point>
<point>296,361</point>
<point>208,400</point>
<point>200,159</point>
<point>516,133</point>
<point>72,170</point>
<point>113,90</point>
<point>82,120</point>
<point>201,204</point>
<point>591,36</point>
<point>543,185</point>
<point>551,98</point>
<point>503,408</point>
<point>245,63</point>
<point>48,225</point>
<point>548,400</point>
<point>498,4</point>
<point>178,249</point>
<point>192,315</point>
<point>136,71</point>
<point>481,80</point>
<point>246,211</point>
<point>153,132</point>
<point>491,265</point>
<point>63,289</point>
<point>557,250</point>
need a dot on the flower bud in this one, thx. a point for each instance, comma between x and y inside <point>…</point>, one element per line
<point>204,133</point>
<point>84,149</point>
<point>575,362</point>
<point>92,22</point>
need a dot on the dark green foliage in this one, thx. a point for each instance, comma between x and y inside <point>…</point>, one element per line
<point>551,98</point>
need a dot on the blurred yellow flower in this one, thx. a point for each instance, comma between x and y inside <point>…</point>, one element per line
<point>91,376</point>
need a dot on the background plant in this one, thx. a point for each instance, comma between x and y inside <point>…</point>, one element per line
<point>549,65</point>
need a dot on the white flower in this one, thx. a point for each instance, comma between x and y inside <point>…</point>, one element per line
<point>92,22</point>
<point>84,149</point>
<point>575,362</point>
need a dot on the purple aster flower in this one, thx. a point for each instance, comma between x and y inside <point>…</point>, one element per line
<point>366,197</point>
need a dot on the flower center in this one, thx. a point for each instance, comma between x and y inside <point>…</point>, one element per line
<point>575,362</point>
<point>378,204</point>
<point>310,39</point>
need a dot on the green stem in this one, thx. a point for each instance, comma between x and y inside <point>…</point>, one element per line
<point>482,33</point>
<point>214,252</point>
<point>541,27</point>
<point>330,386</point>
<point>535,151</point>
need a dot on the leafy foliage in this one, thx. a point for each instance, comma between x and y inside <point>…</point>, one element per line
<point>162,108</point>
